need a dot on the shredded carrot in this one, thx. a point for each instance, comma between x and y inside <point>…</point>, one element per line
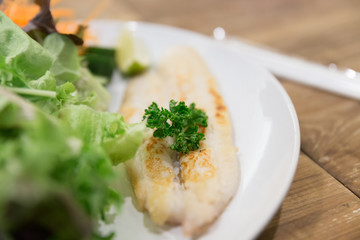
<point>63,13</point>
<point>68,27</point>
<point>22,11</point>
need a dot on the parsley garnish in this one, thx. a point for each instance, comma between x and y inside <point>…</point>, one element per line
<point>180,122</point>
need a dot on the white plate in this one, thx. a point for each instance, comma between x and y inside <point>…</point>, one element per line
<point>266,133</point>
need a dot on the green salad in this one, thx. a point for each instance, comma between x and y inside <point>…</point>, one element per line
<point>57,143</point>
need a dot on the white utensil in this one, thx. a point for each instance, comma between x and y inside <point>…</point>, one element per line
<point>344,82</point>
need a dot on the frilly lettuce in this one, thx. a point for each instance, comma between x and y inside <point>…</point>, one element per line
<point>21,58</point>
<point>66,64</point>
<point>119,139</point>
<point>26,64</point>
<point>57,146</point>
<point>50,177</point>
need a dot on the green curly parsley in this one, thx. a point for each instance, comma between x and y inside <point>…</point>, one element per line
<point>180,122</point>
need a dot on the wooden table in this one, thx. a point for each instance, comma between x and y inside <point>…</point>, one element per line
<point>323,201</point>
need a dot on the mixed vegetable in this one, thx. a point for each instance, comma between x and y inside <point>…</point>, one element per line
<point>57,145</point>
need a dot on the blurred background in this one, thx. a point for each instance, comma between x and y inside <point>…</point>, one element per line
<point>325,31</point>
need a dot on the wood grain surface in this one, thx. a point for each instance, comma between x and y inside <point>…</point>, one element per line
<point>318,201</point>
<point>323,201</point>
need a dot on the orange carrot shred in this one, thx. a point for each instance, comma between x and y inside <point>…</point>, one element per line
<point>22,11</point>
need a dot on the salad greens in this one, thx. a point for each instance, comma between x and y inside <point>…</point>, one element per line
<point>53,182</point>
<point>22,60</point>
<point>119,139</point>
<point>66,64</point>
<point>57,146</point>
<point>56,66</point>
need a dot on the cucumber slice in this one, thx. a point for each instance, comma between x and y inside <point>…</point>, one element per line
<point>101,61</point>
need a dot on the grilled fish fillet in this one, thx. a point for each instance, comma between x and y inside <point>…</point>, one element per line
<point>188,189</point>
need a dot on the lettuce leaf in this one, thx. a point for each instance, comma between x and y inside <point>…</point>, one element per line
<point>24,63</point>
<point>66,64</point>
<point>21,58</point>
<point>51,179</point>
<point>119,139</point>
<point>91,92</point>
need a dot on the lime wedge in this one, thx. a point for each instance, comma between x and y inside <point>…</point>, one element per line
<point>132,55</point>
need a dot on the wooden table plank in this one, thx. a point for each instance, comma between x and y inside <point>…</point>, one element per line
<point>327,33</point>
<point>316,207</point>
<point>330,132</point>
